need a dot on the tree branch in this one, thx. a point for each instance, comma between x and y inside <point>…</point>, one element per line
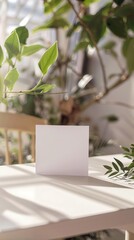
<point>88,30</point>
<point>101,95</point>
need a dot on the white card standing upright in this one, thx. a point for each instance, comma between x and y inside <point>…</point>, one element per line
<point>62,150</point>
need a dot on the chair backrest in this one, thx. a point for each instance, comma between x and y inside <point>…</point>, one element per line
<point>20,123</point>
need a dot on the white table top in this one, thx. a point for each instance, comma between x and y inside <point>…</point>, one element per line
<point>40,207</point>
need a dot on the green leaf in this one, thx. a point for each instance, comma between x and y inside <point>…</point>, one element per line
<point>81,45</point>
<point>119,2</point>
<point>56,22</point>
<point>63,9</point>
<point>11,78</point>
<point>120,164</point>
<point>1,56</point>
<point>128,50</point>
<point>127,156</point>
<point>50,5</point>
<point>88,2</point>
<point>12,45</point>
<point>130,23</point>
<point>105,10</point>
<point>22,34</point>
<point>107,167</point>
<point>48,58</point>
<point>125,46</point>
<point>130,56</point>
<point>125,10</point>
<point>96,24</point>
<point>72,29</point>
<point>113,174</point>
<point>31,49</point>
<point>109,45</point>
<point>125,149</point>
<point>115,166</point>
<point>131,165</point>
<point>109,171</point>
<point>117,26</point>
<point>111,118</point>
<point>3,100</point>
<point>44,88</point>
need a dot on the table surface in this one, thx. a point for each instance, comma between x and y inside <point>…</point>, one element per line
<point>34,206</point>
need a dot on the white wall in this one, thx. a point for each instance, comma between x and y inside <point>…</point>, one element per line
<point>123,130</point>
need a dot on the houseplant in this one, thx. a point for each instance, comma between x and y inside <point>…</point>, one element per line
<point>14,49</point>
<point>120,170</point>
<point>82,30</point>
<point>115,17</point>
<point>89,30</point>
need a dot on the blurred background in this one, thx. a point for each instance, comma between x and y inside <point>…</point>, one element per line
<point>93,74</point>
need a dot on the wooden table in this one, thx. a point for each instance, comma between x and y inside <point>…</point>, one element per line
<point>38,207</point>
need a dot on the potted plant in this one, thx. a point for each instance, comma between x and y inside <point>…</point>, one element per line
<point>115,17</point>
<point>89,31</point>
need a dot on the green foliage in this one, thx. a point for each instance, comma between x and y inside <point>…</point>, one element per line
<point>57,19</point>
<point>16,47</point>
<point>111,118</point>
<point>88,2</point>
<point>117,26</point>
<point>50,5</point>
<point>63,9</point>
<point>81,45</point>
<point>48,58</point>
<point>45,88</point>
<point>12,45</point>
<point>126,12</point>
<point>29,50</point>
<point>118,18</point>
<point>23,34</point>
<point>109,45</point>
<point>11,78</point>
<point>72,29</point>
<point>97,26</point>
<point>128,50</point>
<point>55,22</point>
<point>120,169</point>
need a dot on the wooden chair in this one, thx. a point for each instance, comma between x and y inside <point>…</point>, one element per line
<point>20,123</point>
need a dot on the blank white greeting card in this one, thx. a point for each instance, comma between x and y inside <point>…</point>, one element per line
<point>62,150</point>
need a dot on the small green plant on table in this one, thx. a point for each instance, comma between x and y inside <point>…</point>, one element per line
<point>119,169</point>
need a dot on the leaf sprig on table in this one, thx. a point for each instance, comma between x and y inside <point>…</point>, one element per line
<point>118,168</point>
